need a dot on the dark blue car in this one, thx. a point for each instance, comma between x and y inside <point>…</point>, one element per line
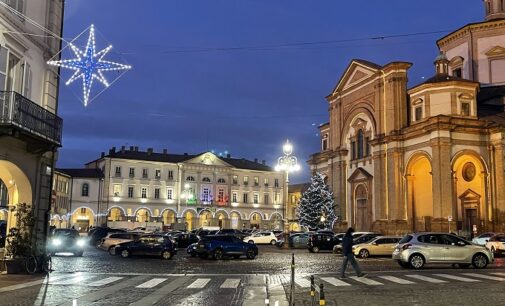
<point>218,246</point>
<point>147,245</point>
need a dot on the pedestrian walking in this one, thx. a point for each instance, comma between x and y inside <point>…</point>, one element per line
<point>347,243</point>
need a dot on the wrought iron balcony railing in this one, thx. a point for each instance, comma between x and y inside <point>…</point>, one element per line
<point>29,117</point>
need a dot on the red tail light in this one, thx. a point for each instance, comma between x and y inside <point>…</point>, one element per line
<point>406,246</point>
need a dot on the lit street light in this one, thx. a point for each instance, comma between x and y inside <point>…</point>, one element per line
<point>287,163</point>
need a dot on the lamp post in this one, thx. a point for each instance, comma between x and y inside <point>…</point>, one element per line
<point>287,163</point>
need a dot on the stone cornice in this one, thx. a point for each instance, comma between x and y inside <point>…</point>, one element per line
<point>467,29</point>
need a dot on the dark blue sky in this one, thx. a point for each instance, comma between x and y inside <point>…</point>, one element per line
<point>244,101</point>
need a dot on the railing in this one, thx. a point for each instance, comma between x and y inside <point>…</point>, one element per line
<point>23,113</point>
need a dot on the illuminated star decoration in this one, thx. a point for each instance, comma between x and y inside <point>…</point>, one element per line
<point>89,65</point>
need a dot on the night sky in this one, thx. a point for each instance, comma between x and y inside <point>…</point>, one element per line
<point>230,76</point>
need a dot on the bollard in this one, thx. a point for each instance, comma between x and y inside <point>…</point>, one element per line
<point>292,291</point>
<point>322,301</point>
<point>312,291</point>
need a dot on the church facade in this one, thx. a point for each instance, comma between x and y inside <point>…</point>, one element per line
<point>426,158</point>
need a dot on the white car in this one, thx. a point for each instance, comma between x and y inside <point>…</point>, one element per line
<point>262,238</point>
<point>483,238</point>
<point>496,244</point>
<point>112,239</point>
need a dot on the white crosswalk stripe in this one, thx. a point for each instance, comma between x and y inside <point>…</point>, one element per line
<point>335,282</point>
<point>199,283</point>
<point>500,279</point>
<point>366,281</point>
<point>151,283</point>
<point>230,283</point>
<point>77,280</point>
<point>302,282</point>
<point>426,278</point>
<point>105,281</point>
<point>499,273</point>
<point>458,278</point>
<point>396,280</point>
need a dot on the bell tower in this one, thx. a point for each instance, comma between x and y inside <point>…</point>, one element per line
<point>495,9</point>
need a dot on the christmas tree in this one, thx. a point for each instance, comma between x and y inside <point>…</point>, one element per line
<point>316,208</point>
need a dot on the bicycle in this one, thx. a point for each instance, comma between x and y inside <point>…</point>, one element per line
<point>42,263</point>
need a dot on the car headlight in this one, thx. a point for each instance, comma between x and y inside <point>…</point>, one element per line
<point>80,243</point>
<point>56,242</point>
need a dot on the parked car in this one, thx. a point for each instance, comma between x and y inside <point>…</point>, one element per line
<point>148,245</point>
<point>483,238</point>
<point>203,233</point>
<point>112,239</point>
<point>262,238</point>
<point>182,240</point>
<point>96,235</point>
<point>496,244</point>
<point>191,249</point>
<point>359,234</point>
<point>234,232</point>
<point>66,240</point>
<point>321,242</point>
<point>296,240</point>
<point>382,245</point>
<point>417,249</point>
<point>363,238</point>
<point>218,246</point>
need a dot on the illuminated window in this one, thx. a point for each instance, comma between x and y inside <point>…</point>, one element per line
<point>157,174</point>
<point>235,180</point>
<point>170,192</point>
<point>117,190</point>
<point>206,194</point>
<point>220,195</point>
<point>246,180</point>
<point>83,210</point>
<point>256,181</point>
<point>85,190</point>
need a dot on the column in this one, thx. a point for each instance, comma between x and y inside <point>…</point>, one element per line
<point>442,180</point>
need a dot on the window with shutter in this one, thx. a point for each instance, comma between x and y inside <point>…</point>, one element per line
<point>4,53</point>
<point>27,81</point>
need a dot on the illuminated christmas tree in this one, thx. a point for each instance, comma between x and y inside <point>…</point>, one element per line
<point>316,208</point>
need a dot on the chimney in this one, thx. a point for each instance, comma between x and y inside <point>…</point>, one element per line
<point>228,155</point>
<point>256,160</point>
<point>263,162</point>
<point>102,155</point>
<point>122,149</point>
<point>149,151</point>
<point>165,151</point>
<point>131,148</point>
<point>136,149</point>
<point>112,150</point>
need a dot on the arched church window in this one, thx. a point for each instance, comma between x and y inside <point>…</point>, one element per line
<point>360,144</point>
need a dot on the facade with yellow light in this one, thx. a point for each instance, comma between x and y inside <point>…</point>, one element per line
<point>165,190</point>
<point>402,159</point>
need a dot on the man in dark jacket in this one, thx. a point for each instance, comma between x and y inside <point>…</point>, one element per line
<point>347,242</point>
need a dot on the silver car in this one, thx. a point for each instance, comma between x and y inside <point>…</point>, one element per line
<point>415,250</point>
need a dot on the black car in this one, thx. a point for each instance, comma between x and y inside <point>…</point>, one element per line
<point>182,240</point>
<point>218,246</point>
<point>234,232</point>
<point>191,249</point>
<point>147,245</point>
<point>322,242</point>
<point>66,240</point>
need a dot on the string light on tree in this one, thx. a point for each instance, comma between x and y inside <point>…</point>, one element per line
<point>89,65</point>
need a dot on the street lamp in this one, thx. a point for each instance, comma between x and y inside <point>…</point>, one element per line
<point>287,163</point>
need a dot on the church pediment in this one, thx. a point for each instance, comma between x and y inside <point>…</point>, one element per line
<point>357,71</point>
<point>208,159</point>
<point>359,174</point>
<point>469,195</point>
<point>496,51</point>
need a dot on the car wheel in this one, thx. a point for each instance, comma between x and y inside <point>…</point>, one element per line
<point>125,253</point>
<point>403,264</point>
<point>272,242</point>
<point>315,249</point>
<point>364,253</point>
<point>166,254</point>
<point>479,261</point>
<point>416,261</point>
<point>464,266</point>
<point>218,254</point>
<point>236,256</point>
<point>250,254</point>
<point>79,254</point>
<point>112,251</point>
<point>251,241</point>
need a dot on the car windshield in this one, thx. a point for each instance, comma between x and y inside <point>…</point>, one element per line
<point>405,239</point>
<point>70,234</point>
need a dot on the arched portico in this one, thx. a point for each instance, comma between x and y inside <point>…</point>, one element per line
<point>419,191</point>
<point>116,213</point>
<point>82,218</point>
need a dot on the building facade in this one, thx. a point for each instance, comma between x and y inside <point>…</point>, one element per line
<point>426,158</point>
<point>60,200</point>
<point>187,191</point>
<point>30,130</point>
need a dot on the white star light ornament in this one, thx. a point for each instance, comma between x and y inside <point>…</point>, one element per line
<point>89,65</point>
